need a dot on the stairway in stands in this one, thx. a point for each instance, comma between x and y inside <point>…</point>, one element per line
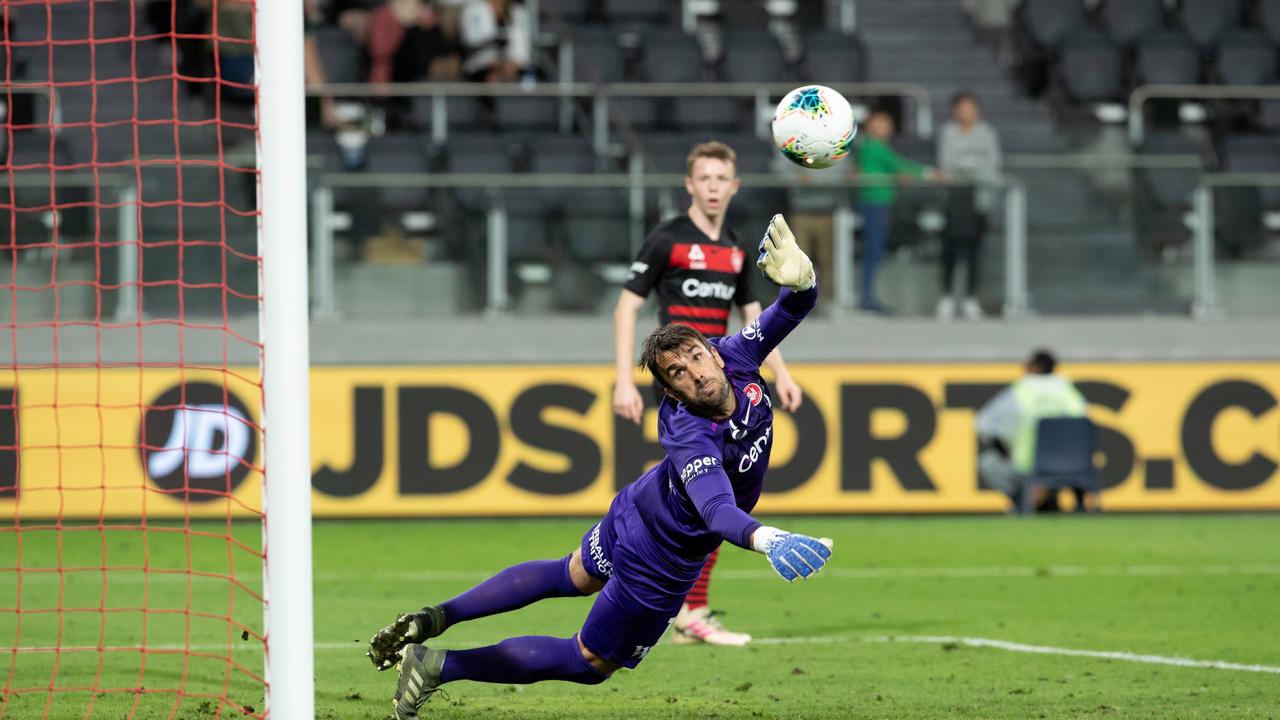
<point>1084,258</point>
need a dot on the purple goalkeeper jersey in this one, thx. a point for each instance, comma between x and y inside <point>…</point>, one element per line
<point>714,471</point>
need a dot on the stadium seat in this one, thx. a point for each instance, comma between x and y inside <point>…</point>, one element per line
<point>672,56</point>
<point>461,113</point>
<point>596,226</point>
<point>753,57</point>
<point>526,114</point>
<point>339,55</point>
<point>1164,195</point>
<point>1254,154</point>
<point>832,57</point>
<point>655,12</point>
<point>566,10</point>
<point>709,114</point>
<point>1128,21</point>
<point>1269,19</point>
<point>1064,458</point>
<point>1167,58</point>
<point>1091,68</point>
<point>556,154</point>
<point>1246,57</point>
<point>399,154</point>
<point>1049,22</point>
<point>598,59</point>
<point>1208,20</point>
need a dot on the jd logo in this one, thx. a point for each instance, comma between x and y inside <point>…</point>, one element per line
<point>197,441</point>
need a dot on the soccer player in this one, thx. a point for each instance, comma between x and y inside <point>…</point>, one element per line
<point>716,424</point>
<point>697,265</point>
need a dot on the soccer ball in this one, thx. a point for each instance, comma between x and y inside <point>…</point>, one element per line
<point>813,126</point>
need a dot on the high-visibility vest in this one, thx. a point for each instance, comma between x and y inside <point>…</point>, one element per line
<point>1038,397</point>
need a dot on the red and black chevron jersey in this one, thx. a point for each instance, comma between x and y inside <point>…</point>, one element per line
<point>698,279</point>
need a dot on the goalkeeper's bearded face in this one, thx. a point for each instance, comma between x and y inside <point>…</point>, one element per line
<point>695,376</point>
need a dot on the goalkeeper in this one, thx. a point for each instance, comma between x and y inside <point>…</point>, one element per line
<point>716,424</point>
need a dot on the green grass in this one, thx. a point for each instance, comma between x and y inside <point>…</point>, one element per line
<point>1196,586</point>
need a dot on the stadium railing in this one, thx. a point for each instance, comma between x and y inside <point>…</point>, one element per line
<point>1206,302</point>
<point>497,297</point>
<point>1140,95</point>
<point>764,95</point>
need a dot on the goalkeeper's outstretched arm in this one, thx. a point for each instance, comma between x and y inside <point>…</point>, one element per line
<point>792,555</point>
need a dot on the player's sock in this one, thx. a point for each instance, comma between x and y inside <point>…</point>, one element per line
<point>522,660</point>
<point>513,588</point>
<point>697,597</point>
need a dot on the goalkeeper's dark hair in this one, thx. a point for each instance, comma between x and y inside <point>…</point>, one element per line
<point>668,338</point>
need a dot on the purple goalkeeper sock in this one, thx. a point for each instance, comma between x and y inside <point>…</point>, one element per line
<point>513,588</point>
<point>520,661</point>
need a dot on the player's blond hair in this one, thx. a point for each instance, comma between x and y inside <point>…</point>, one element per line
<point>715,150</point>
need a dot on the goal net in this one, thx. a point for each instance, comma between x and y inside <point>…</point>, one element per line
<point>132,431</point>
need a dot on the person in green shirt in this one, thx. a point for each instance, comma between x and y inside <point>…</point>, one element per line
<point>879,167</point>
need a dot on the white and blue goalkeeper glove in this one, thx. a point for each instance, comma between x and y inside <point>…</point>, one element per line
<point>791,555</point>
<point>781,259</point>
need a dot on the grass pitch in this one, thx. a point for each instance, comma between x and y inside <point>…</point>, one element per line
<point>888,631</point>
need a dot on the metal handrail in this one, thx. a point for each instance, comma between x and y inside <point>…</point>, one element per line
<point>601,93</point>
<point>1143,93</point>
<point>1205,302</point>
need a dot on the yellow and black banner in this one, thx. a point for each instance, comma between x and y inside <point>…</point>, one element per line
<point>543,440</point>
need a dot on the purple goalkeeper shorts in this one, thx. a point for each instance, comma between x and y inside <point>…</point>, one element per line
<point>642,593</point>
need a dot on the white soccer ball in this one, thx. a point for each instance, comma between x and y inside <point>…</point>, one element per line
<point>813,126</point>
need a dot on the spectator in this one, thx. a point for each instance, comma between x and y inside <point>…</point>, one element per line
<point>968,152</point>
<point>879,166</point>
<point>404,40</point>
<point>1007,424</point>
<point>313,68</point>
<point>495,41</point>
<point>812,203</point>
<point>231,30</point>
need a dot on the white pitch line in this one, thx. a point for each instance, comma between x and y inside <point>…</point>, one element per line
<point>1072,652</point>
<point>847,573</point>
<point>976,642</point>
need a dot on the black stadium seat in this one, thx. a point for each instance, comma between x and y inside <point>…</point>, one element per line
<point>832,57</point>
<point>655,12</point>
<point>1049,22</point>
<point>672,56</point>
<point>339,55</point>
<point>1208,20</point>
<point>1167,58</point>
<point>598,59</point>
<point>1269,19</point>
<point>1246,57</point>
<point>1128,21</point>
<point>1091,67</point>
<point>753,57</point>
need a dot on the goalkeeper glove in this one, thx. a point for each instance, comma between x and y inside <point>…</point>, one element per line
<point>791,555</point>
<point>781,260</point>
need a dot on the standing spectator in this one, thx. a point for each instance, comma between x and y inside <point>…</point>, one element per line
<point>496,45</point>
<point>1007,425</point>
<point>880,167</point>
<point>969,153</point>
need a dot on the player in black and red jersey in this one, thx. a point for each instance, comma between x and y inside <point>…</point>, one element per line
<point>699,269</point>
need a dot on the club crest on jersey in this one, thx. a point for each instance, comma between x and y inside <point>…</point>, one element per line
<point>754,393</point>
<point>736,260</point>
<point>697,258</point>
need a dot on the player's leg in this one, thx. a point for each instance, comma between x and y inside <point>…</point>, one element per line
<point>696,622</point>
<point>511,589</point>
<point>618,633</point>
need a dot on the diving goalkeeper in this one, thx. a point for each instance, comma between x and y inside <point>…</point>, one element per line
<point>716,424</point>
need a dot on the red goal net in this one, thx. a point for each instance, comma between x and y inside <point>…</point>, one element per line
<point>131,553</point>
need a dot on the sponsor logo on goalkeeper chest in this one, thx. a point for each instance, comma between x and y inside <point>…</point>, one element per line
<point>756,450</point>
